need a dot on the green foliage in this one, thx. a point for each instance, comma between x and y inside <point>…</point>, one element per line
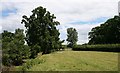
<point>7,37</point>
<point>41,31</point>
<point>14,50</point>
<point>34,50</point>
<point>99,47</point>
<point>72,37</point>
<point>107,33</point>
<point>30,63</point>
<point>26,52</point>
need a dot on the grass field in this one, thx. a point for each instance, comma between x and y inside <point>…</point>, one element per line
<point>77,61</point>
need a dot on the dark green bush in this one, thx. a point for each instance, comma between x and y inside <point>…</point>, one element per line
<point>13,48</point>
<point>35,50</point>
<point>6,60</point>
<point>104,47</point>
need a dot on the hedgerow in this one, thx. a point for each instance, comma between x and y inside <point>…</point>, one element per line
<point>99,47</point>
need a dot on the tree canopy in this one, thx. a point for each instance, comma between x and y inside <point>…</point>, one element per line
<point>72,37</point>
<point>41,32</point>
<point>106,33</point>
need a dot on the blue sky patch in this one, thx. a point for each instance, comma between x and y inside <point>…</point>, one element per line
<point>98,20</point>
<point>6,12</point>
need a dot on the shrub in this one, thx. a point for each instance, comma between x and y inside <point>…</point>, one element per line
<point>35,50</point>
<point>31,63</point>
<point>13,48</point>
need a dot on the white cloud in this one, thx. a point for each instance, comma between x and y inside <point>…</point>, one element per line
<point>66,11</point>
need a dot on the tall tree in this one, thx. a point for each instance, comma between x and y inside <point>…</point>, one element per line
<point>72,37</point>
<point>107,33</point>
<point>41,34</point>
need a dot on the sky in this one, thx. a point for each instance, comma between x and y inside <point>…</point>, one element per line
<point>82,15</point>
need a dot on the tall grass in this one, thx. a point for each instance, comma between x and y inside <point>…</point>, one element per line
<point>31,63</point>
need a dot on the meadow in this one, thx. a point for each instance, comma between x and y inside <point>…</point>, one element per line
<point>69,60</point>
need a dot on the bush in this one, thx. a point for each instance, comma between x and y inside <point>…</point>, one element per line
<point>13,48</point>
<point>105,47</point>
<point>31,63</point>
<point>35,50</point>
<point>6,60</point>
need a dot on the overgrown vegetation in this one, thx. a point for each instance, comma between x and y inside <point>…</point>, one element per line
<point>30,63</point>
<point>13,48</point>
<point>41,36</point>
<point>100,47</point>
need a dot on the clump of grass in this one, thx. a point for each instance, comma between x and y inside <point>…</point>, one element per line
<point>30,63</point>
